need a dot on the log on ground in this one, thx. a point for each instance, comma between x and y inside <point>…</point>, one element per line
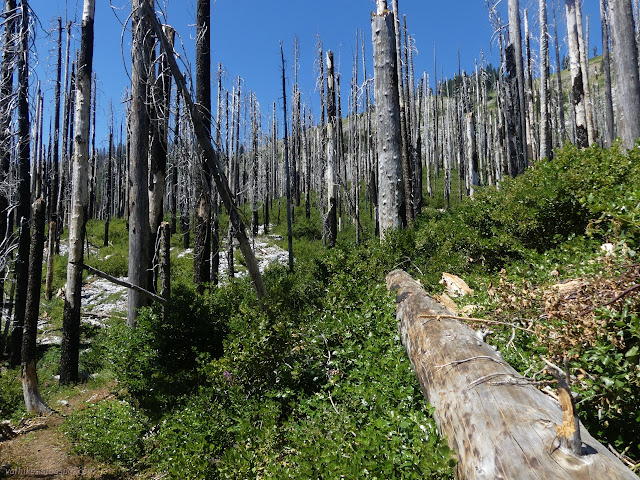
<point>499,425</point>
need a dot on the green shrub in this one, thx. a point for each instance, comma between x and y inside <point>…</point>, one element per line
<point>158,358</point>
<point>111,431</point>
<point>11,401</point>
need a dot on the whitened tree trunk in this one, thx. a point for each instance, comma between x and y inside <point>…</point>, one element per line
<point>515,38</point>
<point>331,225</point>
<point>625,68</point>
<point>584,66</point>
<point>79,203</point>
<point>609,132</point>
<point>472,153</point>
<point>390,193</point>
<point>577,85</point>
<point>138,198</point>
<point>545,117</point>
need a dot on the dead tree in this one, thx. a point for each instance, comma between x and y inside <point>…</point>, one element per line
<point>138,155</point>
<point>202,227</point>
<point>515,50</point>
<point>562,130</point>
<point>387,111</point>
<point>32,399</point>
<point>577,85</point>
<point>24,195</point>
<point>609,132</point>
<point>625,68</point>
<point>212,158</point>
<point>6,91</point>
<point>69,354</point>
<point>331,222</point>
<point>545,119</point>
<point>286,163</point>
<point>161,96</point>
<point>497,422</point>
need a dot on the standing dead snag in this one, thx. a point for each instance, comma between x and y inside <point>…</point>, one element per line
<point>69,354</point>
<point>387,119</point>
<point>500,426</point>
<point>32,399</point>
<point>141,47</point>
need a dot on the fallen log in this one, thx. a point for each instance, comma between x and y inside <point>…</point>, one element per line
<point>499,424</point>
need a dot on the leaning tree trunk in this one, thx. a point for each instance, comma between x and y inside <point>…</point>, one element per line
<point>24,195</point>
<point>625,68</point>
<point>499,425</point>
<point>69,354</point>
<point>138,155</point>
<point>212,157</point>
<point>387,112</point>
<point>32,399</point>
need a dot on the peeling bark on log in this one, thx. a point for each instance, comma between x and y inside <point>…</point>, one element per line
<point>501,431</point>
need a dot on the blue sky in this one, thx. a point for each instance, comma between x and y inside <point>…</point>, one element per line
<point>246,36</point>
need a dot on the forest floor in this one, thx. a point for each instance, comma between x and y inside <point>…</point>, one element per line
<point>43,451</point>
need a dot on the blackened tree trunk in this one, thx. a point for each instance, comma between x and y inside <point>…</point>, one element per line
<point>24,195</point>
<point>138,167</point>
<point>109,188</point>
<point>331,222</point>
<point>55,167</point>
<point>387,111</point>
<point>69,354</point>
<point>32,399</point>
<point>202,228</point>
<point>625,68</point>
<point>6,89</point>
<point>286,163</point>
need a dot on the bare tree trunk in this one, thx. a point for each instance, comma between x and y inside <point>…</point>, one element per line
<point>584,66</point>
<point>158,150</point>
<point>202,227</point>
<point>24,195</point>
<point>32,399</point>
<point>69,354</point>
<point>515,39</point>
<point>6,90</point>
<point>389,144</point>
<point>286,163</point>
<point>472,153</point>
<point>545,120</point>
<point>609,132</point>
<point>331,226</point>
<point>165,263</point>
<point>562,130</point>
<point>625,67</point>
<point>138,198</point>
<point>577,85</point>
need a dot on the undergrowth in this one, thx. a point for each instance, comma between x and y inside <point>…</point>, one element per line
<point>315,383</point>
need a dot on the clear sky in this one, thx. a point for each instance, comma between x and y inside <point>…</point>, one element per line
<point>246,36</point>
